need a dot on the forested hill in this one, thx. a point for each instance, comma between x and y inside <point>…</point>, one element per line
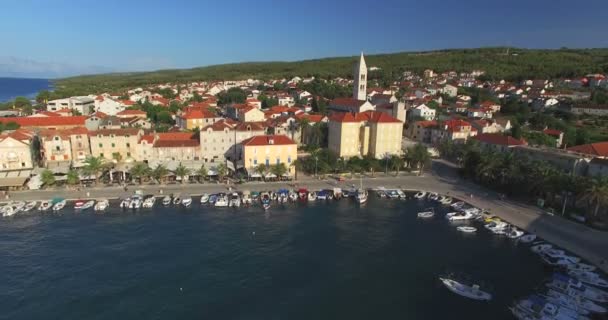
<point>517,64</point>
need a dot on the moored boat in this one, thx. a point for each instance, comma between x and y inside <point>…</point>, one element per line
<point>429,213</point>
<point>466,229</point>
<point>312,196</point>
<point>166,201</point>
<point>149,202</point>
<point>527,238</point>
<point>29,206</point>
<point>101,205</point>
<point>204,198</point>
<point>186,200</point>
<point>59,205</point>
<point>45,205</point>
<point>472,291</point>
<point>420,195</point>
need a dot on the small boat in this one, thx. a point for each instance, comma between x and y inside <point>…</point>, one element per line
<point>186,201</point>
<point>125,203</point>
<point>149,202</point>
<point>204,198</point>
<point>514,233</point>
<point>322,195</point>
<point>445,200</point>
<point>392,194</point>
<point>312,196</point>
<point>221,200</point>
<point>574,287</point>
<point>577,303</point>
<point>459,216</point>
<point>589,277</point>
<point>255,196</point>
<point>246,199</point>
<point>472,292</point>
<point>265,201</point>
<point>555,261</point>
<point>45,205</point>
<point>283,195</point>
<point>212,199</point>
<point>29,206</point>
<point>497,227</point>
<point>166,201</point>
<point>101,205</point>
<point>581,267</point>
<point>88,205</point>
<point>59,205</point>
<point>540,248</point>
<point>457,205</point>
<point>7,210</point>
<point>274,196</point>
<point>434,196</point>
<point>18,206</point>
<point>177,199</point>
<point>401,194</point>
<point>426,214</point>
<point>527,238</point>
<point>234,200</point>
<point>303,194</point>
<point>540,308</point>
<point>78,205</point>
<point>293,196</point>
<point>466,229</point>
<point>136,201</point>
<point>420,195</point>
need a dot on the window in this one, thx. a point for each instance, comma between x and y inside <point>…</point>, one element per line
<point>101,145</point>
<point>289,159</point>
<point>128,145</point>
<point>58,148</point>
<point>128,154</point>
<point>255,161</point>
<point>113,145</point>
<point>101,155</point>
<point>23,164</point>
<point>56,138</point>
<point>278,160</point>
<point>267,162</point>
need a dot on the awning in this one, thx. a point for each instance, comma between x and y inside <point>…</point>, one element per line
<point>61,167</point>
<point>270,175</point>
<point>255,175</point>
<point>12,182</point>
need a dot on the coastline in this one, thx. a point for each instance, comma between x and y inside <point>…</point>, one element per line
<point>581,240</point>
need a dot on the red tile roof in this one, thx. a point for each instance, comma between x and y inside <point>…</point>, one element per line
<point>46,121</point>
<point>50,114</point>
<point>99,114</point>
<point>48,133</point>
<point>19,134</point>
<point>599,149</point>
<point>116,132</point>
<point>268,140</point>
<point>312,118</point>
<point>192,113</point>
<point>426,124</point>
<point>347,102</point>
<point>456,125</point>
<point>343,117</point>
<point>552,132</point>
<point>131,113</point>
<point>149,138</point>
<point>176,139</point>
<point>379,117</point>
<point>498,139</point>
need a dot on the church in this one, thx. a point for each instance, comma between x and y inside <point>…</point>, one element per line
<point>360,102</point>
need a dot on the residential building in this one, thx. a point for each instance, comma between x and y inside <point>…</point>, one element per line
<point>567,162</point>
<point>15,152</point>
<point>47,122</point>
<point>487,126</point>
<point>421,131</point>
<point>593,110</point>
<point>84,105</point>
<point>268,150</point>
<point>423,112</point>
<point>598,167</point>
<point>130,113</point>
<point>219,140</point>
<point>497,142</point>
<point>597,150</point>
<point>68,146</point>
<point>350,105</point>
<point>250,114</point>
<point>115,144</point>
<point>196,118</point>
<point>176,146</point>
<point>454,130</point>
<point>450,90</point>
<point>557,134</point>
<point>108,106</point>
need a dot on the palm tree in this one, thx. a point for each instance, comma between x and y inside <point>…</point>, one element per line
<point>159,173</point>
<point>93,166</point>
<point>262,169</point>
<point>222,170</point>
<point>48,177</point>
<point>278,169</point>
<point>396,163</point>
<point>418,157</point>
<point>297,166</point>
<point>72,177</point>
<point>181,171</point>
<point>202,173</point>
<point>139,171</point>
<point>597,193</point>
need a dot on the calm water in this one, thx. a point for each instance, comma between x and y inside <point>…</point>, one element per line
<point>14,87</point>
<point>304,261</point>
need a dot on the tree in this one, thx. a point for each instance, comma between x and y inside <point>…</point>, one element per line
<point>21,102</point>
<point>48,177</point>
<point>396,163</point>
<point>139,171</point>
<point>202,173</point>
<point>232,95</point>
<point>159,173</point>
<point>43,96</point>
<point>418,157</point>
<point>93,166</point>
<point>222,170</point>
<point>278,169</point>
<point>297,166</point>
<point>181,171</point>
<point>597,193</point>
<point>72,177</point>
<point>261,169</point>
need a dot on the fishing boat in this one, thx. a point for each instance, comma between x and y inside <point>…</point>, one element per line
<point>7,210</point>
<point>574,287</point>
<point>527,238</point>
<point>466,229</point>
<point>420,195</point>
<point>177,199</point>
<point>136,201</point>
<point>265,201</point>
<point>283,195</point>
<point>274,196</point>
<point>497,227</point>
<point>125,203</point>
<point>186,200</point>
<point>221,200</point>
<point>361,194</point>
<point>337,193</point>
<point>381,192</point>
<point>29,206</point>
<point>18,206</point>
<point>45,205</point>
<point>255,196</point>
<point>392,194</point>
<point>514,233</point>
<point>149,202</point>
<point>472,292</point>
<point>101,205</point>
<point>577,303</point>
<point>59,205</point>
<point>539,248</point>
<point>166,201</point>
<point>312,196</point>
<point>204,198</point>
<point>235,200</point>
<point>429,213</point>
<point>401,194</point>
<point>589,277</point>
<point>542,309</point>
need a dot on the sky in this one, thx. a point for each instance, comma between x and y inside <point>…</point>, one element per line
<point>55,38</point>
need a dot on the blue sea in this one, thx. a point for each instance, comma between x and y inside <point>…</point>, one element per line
<point>322,260</point>
<point>14,87</point>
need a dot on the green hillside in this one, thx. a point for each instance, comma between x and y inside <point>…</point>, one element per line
<point>518,64</point>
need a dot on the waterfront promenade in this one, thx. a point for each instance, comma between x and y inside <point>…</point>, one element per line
<point>586,242</point>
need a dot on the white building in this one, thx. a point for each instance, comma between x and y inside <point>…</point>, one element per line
<point>84,105</point>
<point>424,112</point>
<point>109,106</point>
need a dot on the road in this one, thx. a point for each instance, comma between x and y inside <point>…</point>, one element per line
<point>588,243</point>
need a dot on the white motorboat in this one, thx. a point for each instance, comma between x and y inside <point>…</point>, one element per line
<point>581,267</point>
<point>497,227</point>
<point>542,309</point>
<point>78,205</point>
<point>125,203</point>
<point>560,254</point>
<point>101,205</point>
<point>221,200</point>
<point>434,196</point>
<point>247,200</point>
<point>177,199</point>
<point>466,229</point>
<point>293,196</point>
<point>204,198</point>
<point>18,206</point>
<point>265,199</point>
<point>555,261</point>
<point>589,277</point>
<point>45,205</point>
<point>136,202</point>
<point>514,233</point>
<point>457,205</point>
<point>29,206</point>
<point>527,238</point>
<point>445,200</point>
<point>401,194</point>
<point>312,196</point>
<point>59,205</point>
<point>88,205</point>
<point>429,213</point>
<point>557,298</point>
<point>574,287</point>
<point>392,194</point>
<point>274,196</point>
<point>578,303</point>
<point>420,195</point>
<point>361,196</point>
<point>472,292</point>
<point>186,201</point>
<point>459,216</point>
<point>166,201</point>
<point>7,210</point>
<point>149,202</point>
<point>235,200</point>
